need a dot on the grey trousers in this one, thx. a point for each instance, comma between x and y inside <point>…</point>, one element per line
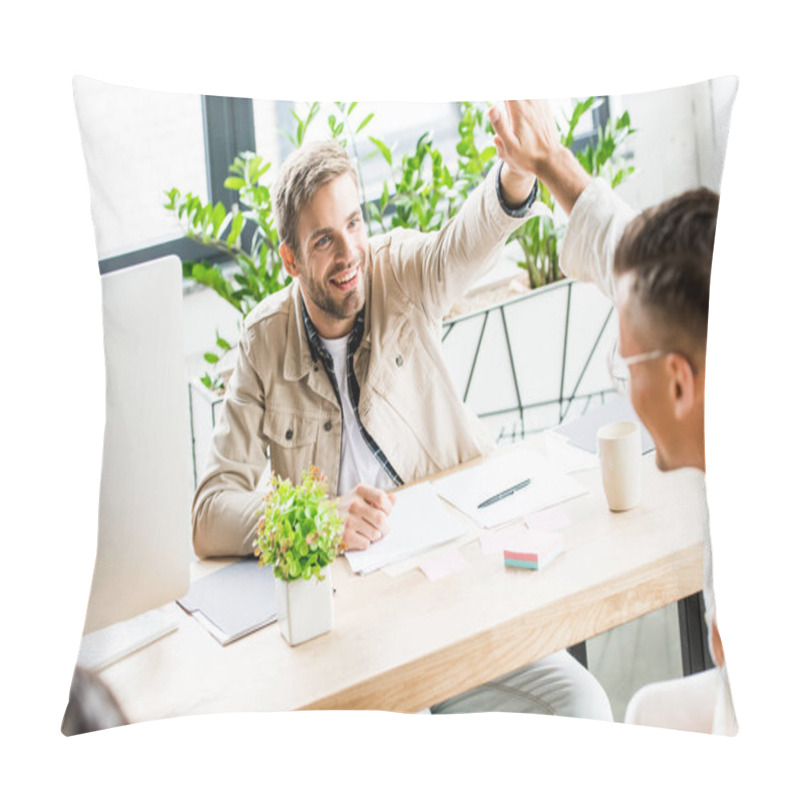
<point>556,684</point>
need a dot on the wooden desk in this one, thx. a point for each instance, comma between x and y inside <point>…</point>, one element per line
<point>404,643</point>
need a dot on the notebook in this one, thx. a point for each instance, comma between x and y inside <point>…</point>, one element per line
<point>233,601</point>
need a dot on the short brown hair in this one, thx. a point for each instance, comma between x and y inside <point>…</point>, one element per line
<point>307,169</point>
<point>668,248</point>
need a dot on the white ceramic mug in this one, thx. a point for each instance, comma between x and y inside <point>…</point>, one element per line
<point>619,445</point>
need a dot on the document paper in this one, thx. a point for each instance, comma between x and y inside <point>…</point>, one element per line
<point>417,522</point>
<point>582,432</point>
<point>470,487</point>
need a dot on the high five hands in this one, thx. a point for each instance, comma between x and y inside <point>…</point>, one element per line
<point>528,143</point>
<point>526,135</point>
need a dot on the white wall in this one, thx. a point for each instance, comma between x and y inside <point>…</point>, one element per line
<point>205,313</point>
<point>679,141</point>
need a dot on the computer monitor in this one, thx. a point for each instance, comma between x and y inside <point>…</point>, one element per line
<point>144,531</point>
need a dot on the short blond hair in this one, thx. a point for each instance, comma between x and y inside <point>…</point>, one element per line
<point>307,169</point>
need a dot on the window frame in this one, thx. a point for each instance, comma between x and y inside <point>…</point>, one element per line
<point>229,129</point>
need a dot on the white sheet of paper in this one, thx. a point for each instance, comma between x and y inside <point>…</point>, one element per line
<point>417,522</point>
<point>469,533</point>
<point>568,457</point>
<point>468,488</point>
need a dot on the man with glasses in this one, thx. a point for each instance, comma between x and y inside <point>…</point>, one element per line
<point>656,267</point>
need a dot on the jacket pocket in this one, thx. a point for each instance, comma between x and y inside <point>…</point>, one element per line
<point>399,360</point>
<point>292,440</point>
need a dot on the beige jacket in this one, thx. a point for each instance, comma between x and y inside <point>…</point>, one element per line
<point>280,403</point>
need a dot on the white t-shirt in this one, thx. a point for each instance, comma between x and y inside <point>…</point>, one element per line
<point>357,464</point>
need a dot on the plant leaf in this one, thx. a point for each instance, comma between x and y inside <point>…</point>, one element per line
<point>384,150</point>
<point>365,122</point>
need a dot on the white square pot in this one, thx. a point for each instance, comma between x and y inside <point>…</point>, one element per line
<point>305,608</point>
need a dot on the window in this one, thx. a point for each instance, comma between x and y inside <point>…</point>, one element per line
<point>145,143</point>
<point>148,142</point>
<point>398,125</point>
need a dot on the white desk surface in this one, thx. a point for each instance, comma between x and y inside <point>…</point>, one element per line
<point>403,643</point>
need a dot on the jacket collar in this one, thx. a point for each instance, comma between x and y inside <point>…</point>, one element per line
<point>303,346</point>
<point>298,359</point>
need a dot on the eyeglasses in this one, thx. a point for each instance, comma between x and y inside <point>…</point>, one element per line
<point>619,367</point>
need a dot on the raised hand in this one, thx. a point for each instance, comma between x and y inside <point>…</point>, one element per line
<point>366,516</point>
<point>528,142</point>
<point>527,137</point>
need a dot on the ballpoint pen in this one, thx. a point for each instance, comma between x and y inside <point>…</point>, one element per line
<point>505,493</point>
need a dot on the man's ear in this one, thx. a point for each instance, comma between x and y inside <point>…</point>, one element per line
<point>683,387</point>
<point>289,261</point>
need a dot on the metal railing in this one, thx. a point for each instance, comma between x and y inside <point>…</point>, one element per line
<point>569,400</point>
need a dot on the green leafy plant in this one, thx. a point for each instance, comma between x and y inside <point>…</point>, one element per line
<point>300,530</point>
<point>540,236</point>
<point>475,150</point>
<point>258,269</point>
<point>423,193</point>
<point>215,383</point>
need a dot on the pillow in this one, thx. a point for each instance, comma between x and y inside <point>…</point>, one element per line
<point>180,178</point>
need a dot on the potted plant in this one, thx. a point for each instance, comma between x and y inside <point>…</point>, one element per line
<point>300,534</point>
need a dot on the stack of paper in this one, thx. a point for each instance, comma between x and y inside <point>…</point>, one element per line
<point>533,549</point>
<point>417,522</point>
<point>469,488</point>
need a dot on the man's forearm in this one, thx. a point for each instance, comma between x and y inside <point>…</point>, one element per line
<point>528,143</point>
<point>515,188</point>
<point>226,499</point>
<point>224,522</point>
<point>435,269</point>
<point>564,177</point>
<point>595,225</point>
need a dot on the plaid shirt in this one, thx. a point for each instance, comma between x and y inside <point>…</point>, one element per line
<point>320,353</point>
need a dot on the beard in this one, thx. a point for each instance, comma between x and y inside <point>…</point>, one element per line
<point>341,307</point>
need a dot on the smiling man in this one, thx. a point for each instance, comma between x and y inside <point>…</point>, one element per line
<point>656,266</point>
<point>344,370</point>
<point>327,252</point>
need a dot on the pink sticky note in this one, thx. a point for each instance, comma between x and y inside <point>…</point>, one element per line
<point>443,565</point>
<point>495,541</point>
<point>534,545</point>
<point>549,519</point>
